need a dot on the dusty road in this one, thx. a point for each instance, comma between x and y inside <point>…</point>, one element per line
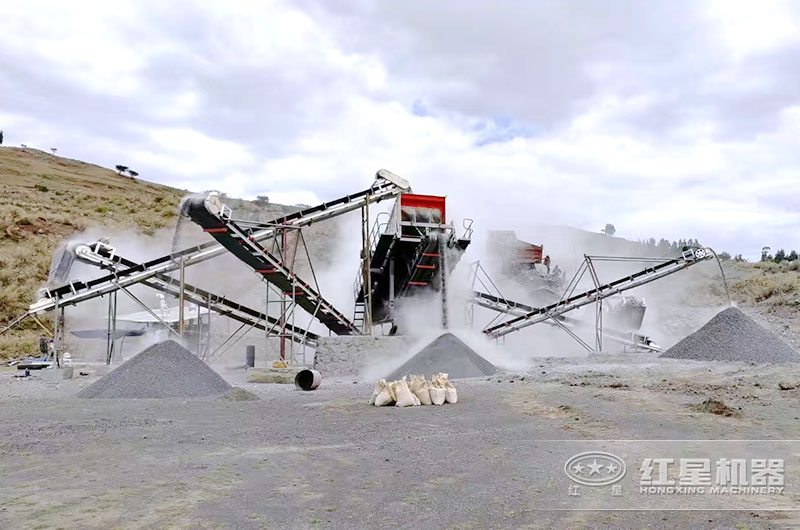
<point>326,459</point>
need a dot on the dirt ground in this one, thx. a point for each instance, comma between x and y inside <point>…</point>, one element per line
<point>326,459</point>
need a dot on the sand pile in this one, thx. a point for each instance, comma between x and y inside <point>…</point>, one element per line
<point>446,354</point>
<point>166,369</point>
<point>733,336</point>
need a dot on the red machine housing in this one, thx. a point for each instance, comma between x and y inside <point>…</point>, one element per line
<point>422,208</point>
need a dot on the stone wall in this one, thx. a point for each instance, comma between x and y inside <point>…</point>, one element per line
<point>345,356</point>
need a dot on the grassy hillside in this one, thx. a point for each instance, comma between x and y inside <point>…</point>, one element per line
<point>44,199</point>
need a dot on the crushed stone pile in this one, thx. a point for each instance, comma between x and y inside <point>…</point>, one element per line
<point>163,370</point>
<point>446,354</point>
<point>733,336</point>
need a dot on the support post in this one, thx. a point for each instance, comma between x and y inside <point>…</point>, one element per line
<point>365,263</point>
<point>283,301</point>
<point>56,334</point>
<point>391,290</point>
<point>181,298</point>
<point>443,279</point>
<point>112,327</point>
<point>599,325</point>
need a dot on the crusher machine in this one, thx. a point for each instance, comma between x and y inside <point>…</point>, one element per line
<point>410,250</point>
<point>523,262</point>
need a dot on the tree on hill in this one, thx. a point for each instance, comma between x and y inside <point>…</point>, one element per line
<point>765,254</point>
<point>53,150</point>
<point>609,230</point>
<point>1,137</point>
<point>121,169</point>
<point>133,174</point>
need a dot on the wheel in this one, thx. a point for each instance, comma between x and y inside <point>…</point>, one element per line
<point>700,253</point>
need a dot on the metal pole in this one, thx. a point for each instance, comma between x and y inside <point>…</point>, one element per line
<point>15,322</point>
<point>598,332</point>
<point>267,349</point>
<point>391,290</point>
<point>42,325</point>
<point>443,278</point>
<point>367,259</point>
<point>108,331</point>
<point>114,326</point>
<point>56,334</point>
<point>283,304</point>
<point>181,297</point>
<point>199,326</point>
<point>208,325</point>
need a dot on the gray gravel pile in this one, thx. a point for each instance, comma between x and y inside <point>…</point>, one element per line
<point>733,336</point>
<point>446,354</point>
<point>163,370</point>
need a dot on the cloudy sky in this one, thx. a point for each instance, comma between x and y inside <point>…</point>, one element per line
<point>666,118</point>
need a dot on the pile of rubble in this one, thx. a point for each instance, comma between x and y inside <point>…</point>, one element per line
<point>446,354</point>
<point>732,336</point>
<point>163,370</point>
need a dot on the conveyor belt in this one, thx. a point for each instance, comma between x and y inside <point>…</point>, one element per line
<point>510,307</point>
<point>236,239</point>
<point>386,185</point>
<point>647,275</point>
<point>196,295</point>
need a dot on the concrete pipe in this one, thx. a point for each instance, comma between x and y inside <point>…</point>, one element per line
<point>307,379</point>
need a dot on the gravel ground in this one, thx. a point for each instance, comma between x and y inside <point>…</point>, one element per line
<point>325,459</point>
<point>732,336</point>
<point>163,370</point>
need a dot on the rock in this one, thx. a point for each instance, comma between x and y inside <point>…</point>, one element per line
<point>785,385</point>
<point>715,406</point>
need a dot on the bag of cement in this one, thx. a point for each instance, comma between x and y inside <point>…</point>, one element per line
<point>450,394</point>
<point>404,396</point>
<point>384,397</point>
<point>437,391</point>
<point>379,387</point>
<point>420,388</point>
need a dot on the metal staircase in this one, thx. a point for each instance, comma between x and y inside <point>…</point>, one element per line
<point>405,256</point>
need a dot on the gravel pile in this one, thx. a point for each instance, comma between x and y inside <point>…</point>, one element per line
<point>733,336</point>
<point>446,354</point>
<point>163,370</point>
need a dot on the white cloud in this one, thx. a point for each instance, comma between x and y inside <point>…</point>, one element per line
<point>670,120</point>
